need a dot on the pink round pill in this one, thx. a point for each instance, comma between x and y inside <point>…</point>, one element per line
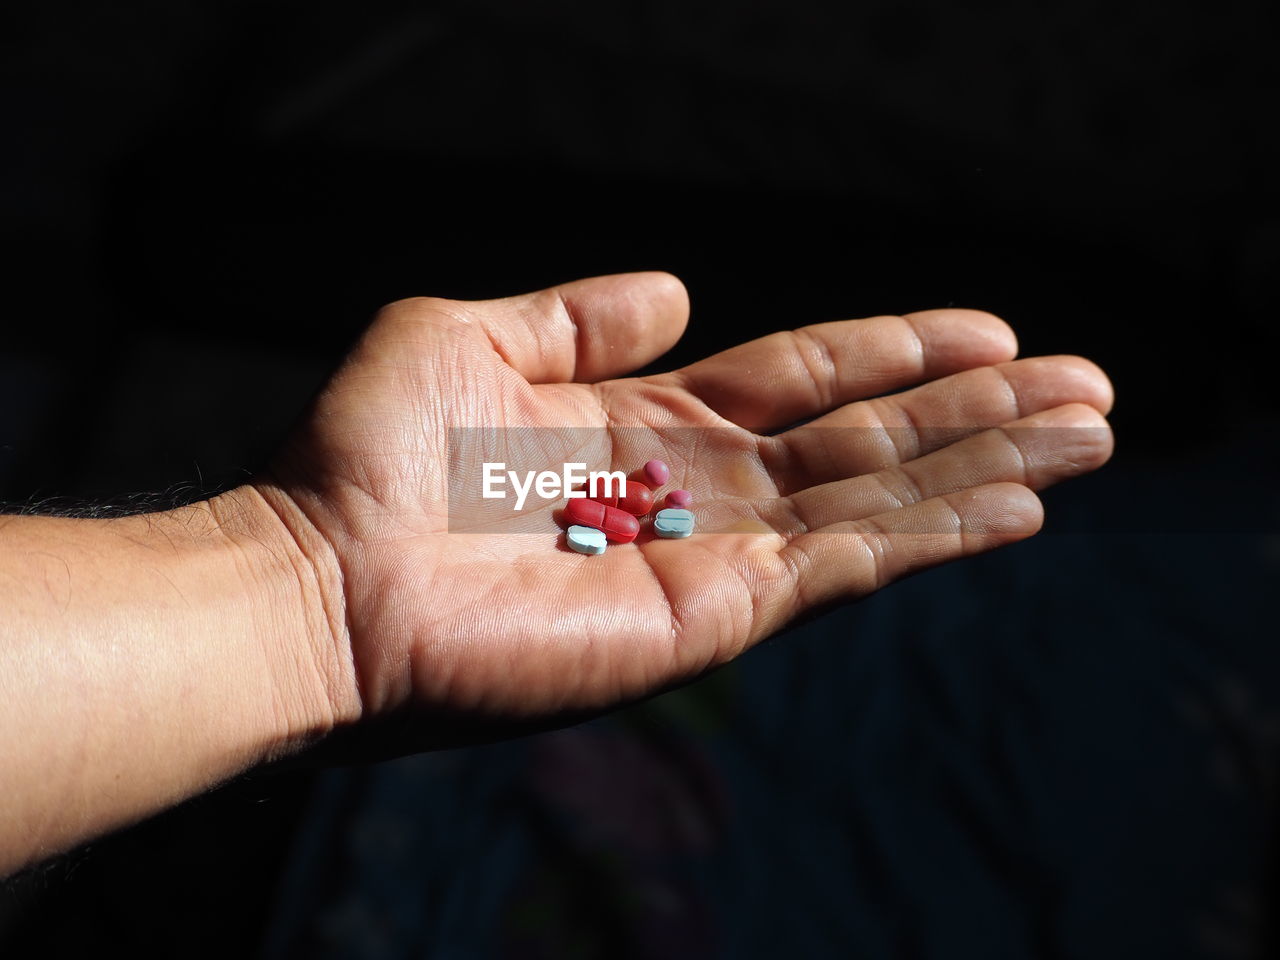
<point>679,499</point>
<point>656,472</point>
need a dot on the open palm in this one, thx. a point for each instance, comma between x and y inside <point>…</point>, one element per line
<point>920,441</point>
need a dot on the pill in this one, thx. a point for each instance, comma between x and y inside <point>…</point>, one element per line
<point>618,525</point>
<point>656,472</point>
<point>673,524</point>
<point>679,499</point>
<point>585,539</point>
<point>637,500</point>
<point>583,491</point>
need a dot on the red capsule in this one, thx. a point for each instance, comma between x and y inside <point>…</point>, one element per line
<point>618,526</point>
<point>607,501</point>
<point>637,499</point>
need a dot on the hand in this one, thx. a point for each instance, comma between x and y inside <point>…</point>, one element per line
<point>147,658</point>
<point>928,443</point>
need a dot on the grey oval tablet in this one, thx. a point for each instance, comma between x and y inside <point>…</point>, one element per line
<point>673,524</point>
<point>585,539</point>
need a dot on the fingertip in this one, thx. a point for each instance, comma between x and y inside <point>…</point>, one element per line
<point>1072,416</point>
<point>647,294</point>
<point>959,338</point>
<point>624,320</point>
<point>662,309</point>
<point>666,292</point>
<point>1004,512</point>
<point>1091,381</point>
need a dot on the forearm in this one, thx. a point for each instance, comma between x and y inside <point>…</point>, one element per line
<point>144,659</point>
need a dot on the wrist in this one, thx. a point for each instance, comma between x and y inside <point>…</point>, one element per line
<point>296,582</point>
<point>147,658</point>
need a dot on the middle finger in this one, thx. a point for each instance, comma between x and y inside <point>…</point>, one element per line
<point>884,432</point>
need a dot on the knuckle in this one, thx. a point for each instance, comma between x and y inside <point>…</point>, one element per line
<point>816,362</point>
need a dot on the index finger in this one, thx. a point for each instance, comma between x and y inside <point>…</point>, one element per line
<point>793,375</point>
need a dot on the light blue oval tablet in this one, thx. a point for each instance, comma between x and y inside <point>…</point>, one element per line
<point>673,524</point>
<point>585,539</point>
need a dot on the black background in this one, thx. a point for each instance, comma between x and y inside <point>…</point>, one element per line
<point>202,204</point>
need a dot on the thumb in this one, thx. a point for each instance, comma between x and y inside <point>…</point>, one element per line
<point>587,330</point>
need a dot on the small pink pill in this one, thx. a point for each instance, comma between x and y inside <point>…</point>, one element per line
<point>679,499</point>
<point>656,472</point>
